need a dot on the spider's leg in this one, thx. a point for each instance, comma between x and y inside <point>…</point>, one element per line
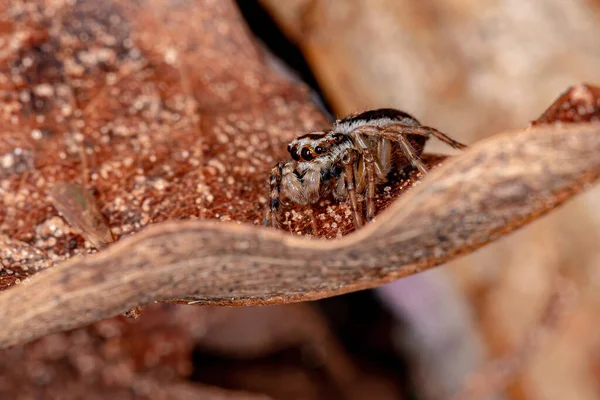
<point>410,154</point>
<point>398,137</point>
<point>384,155</point>
<point>348,160</point>
<point>362,144</point>
<point>426,131</point>
<point>360,174</point>
<point>274,204</point>
<point>370,167</point>
<point>359,168</point>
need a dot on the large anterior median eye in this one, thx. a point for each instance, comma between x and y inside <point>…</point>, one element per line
<point>294,153</point>
<point>307,154</point>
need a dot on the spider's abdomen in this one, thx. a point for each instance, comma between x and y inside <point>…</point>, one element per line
<point>381,119</point>
<point>381,114</point>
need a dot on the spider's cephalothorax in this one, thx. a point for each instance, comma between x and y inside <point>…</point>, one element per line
<point>352,157</point>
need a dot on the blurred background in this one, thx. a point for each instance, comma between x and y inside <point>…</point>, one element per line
<point>472,69</point>
<point>474,328</point>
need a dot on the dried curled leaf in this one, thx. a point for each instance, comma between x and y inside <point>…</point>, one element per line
<point>195,139</point>
<point>493,188</point>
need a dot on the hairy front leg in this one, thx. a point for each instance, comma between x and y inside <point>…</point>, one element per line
<point>274,202</point>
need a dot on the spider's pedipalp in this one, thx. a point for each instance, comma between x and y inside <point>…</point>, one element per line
<point>291,183</point>
<point>312,182</point>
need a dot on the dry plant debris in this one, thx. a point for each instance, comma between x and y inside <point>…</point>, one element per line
<point>492,189</point>
<point>79,208</point>
<point>168,121</point>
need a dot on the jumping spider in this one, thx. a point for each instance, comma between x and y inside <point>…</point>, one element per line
<point>352,157</point>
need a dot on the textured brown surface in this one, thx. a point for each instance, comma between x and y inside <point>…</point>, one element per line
<point>161,128</point>
<point>184,125</point>
<point>158,118</point>
<point>205,84</point>
<point>492,189</point>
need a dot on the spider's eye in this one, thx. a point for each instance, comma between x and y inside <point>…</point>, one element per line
<point>338,137</point>
<point>294,153</point>
<point>320,150</point>
<point>307,154</point>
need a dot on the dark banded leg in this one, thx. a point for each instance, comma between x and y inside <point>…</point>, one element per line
<point>348,160</point>
<point>370,172</point>
<point>274,202</point>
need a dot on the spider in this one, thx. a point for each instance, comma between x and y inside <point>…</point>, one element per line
<point>351,158</point>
